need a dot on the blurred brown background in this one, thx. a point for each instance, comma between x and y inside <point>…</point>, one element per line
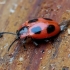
<point>49,56</point>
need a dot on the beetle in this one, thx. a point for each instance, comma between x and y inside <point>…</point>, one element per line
<point>36,29</point>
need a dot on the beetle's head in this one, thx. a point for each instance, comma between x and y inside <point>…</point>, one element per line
<point>20,34</point>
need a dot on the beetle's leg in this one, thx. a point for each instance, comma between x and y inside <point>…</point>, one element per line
<point>23,42</point>
<point>50,39</point>
<point>46,40</point>
<point>34,42</point>
<point>24,47</point>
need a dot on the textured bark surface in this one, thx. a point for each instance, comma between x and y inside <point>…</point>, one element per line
<point>48,56</point>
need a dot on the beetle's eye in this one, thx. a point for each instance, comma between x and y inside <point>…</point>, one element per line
<point>50,28</point>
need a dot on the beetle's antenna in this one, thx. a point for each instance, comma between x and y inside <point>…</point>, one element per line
<point>1,33</point>
<point>12,44</point>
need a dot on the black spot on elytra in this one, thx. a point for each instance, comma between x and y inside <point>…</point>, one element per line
<point>48,19</point>
<point>33,20</point>
<point>50,28</point>
<point>36,30</point>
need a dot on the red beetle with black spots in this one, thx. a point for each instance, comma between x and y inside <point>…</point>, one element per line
<point>36,29</point>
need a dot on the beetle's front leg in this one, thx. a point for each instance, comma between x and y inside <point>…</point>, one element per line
<point>23,42</point>
<point>24,47</point>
